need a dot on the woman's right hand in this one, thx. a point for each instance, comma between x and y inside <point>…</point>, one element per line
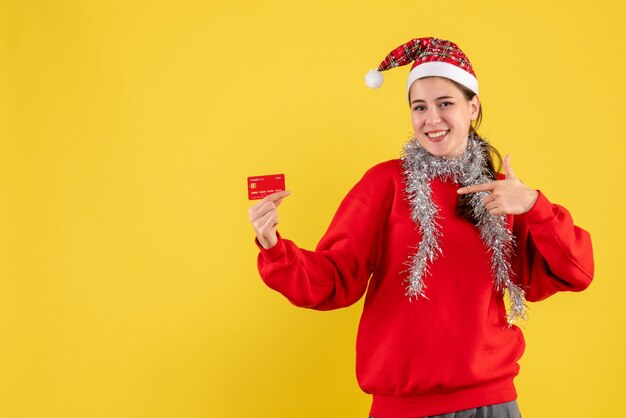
<point>264,218</point>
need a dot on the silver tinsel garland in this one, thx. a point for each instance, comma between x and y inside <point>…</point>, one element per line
<point>420,168</point>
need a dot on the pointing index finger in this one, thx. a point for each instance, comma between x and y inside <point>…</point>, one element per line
<point>484,187</point>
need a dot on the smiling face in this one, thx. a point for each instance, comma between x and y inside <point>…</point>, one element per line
<point>441,115</point>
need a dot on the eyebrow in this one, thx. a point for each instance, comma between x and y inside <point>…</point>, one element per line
<point>438,98</point>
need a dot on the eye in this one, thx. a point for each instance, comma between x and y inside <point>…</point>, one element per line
<point>419,108</point>
<point>446,103</point>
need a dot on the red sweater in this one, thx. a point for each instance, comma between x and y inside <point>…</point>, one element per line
<point>449,352</point>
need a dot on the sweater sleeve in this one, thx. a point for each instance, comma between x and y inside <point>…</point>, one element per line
<point>336,274</point>
<point>552,254</point>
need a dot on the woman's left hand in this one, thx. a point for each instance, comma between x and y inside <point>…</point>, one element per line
<point>509,196</point>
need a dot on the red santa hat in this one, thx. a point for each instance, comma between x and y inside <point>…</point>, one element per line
<point>430,57</point>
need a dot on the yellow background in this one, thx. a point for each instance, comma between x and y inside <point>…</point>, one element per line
<point>128,282</point>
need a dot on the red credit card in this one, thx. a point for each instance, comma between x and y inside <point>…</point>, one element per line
<point>261,186</point>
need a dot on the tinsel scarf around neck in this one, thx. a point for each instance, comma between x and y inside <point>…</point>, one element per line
<point>469,168</point>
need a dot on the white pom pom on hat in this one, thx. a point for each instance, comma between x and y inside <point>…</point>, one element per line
<point>430,57</point>
<point>374,79</point>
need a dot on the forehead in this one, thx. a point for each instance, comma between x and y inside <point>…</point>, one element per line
<point>429,88</point>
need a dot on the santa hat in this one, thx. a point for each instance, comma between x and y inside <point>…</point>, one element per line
<point>430,57</point>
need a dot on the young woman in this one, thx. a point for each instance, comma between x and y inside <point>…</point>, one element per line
<point>435,239</point>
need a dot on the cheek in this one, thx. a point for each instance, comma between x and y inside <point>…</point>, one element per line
<point>416,120</point>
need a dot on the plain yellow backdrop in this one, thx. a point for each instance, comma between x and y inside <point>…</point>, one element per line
<point>128,282</point>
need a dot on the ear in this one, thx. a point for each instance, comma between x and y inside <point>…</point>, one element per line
<point>474,107</point>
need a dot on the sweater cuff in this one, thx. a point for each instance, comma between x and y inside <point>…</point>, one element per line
<point>541,211</point>
<point>275,253</point>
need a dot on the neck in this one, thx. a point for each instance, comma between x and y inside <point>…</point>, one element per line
<point>464,167</point>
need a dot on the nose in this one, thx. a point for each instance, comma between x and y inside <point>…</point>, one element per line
<point>432,116</point>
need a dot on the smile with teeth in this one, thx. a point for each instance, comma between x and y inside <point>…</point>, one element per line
<point>437,134</point>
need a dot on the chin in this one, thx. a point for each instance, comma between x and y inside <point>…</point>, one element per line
<point>447,148</point>
<point>435,150</point>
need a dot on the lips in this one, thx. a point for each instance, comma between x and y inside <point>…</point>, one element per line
<point>437,136</point>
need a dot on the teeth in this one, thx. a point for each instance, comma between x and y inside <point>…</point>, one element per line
<point>436,135</point>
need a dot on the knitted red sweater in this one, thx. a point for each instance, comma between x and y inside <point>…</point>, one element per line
<point>453,350</point>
